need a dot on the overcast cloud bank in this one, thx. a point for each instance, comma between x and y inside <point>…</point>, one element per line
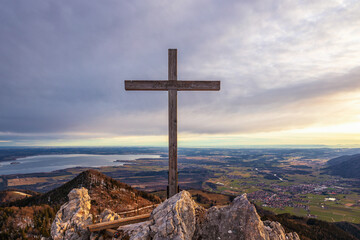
<point>283,65</point>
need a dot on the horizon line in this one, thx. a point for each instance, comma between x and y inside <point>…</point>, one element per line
<point>272,146</point>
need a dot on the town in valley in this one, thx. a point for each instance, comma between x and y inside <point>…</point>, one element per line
<point>282,180</point>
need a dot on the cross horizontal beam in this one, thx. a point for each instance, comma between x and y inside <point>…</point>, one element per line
<point>145,85</point>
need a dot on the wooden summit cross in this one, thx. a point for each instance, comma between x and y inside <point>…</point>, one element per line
<point>172,86</point>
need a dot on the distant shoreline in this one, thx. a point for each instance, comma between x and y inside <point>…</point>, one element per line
<point>53,162</point>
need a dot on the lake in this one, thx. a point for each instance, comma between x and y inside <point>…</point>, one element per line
<point>48,163</point>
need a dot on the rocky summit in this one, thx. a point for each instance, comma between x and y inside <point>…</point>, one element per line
<point>73,217</point>
<point>179,218</point>
<point>239,220</point>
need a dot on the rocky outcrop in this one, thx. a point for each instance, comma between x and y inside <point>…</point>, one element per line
<point>108,215</point>
<point>277,232</point>
<point>181,218</point>
<point>239,220</point>
<point>173,219</point>
<point>73,217</point>
<point>137,231</point>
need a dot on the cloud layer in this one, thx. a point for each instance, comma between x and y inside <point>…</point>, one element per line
<point>283,65</point>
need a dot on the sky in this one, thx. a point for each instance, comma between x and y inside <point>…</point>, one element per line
<point>289,71</point>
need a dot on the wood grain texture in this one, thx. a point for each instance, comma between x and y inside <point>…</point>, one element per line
<point>173,176</point>
<point>121,222</point>
<point>163,85</point>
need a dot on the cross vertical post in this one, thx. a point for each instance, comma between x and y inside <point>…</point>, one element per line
<point>172,76</point>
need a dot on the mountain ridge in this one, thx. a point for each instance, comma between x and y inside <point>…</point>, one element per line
<point>347,166</point>
<point>105,192</point>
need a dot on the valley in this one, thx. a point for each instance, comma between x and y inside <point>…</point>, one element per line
<point>280,180</point>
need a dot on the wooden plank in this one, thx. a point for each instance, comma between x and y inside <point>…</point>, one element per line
<point>172,65</point>
<point>172,75</point>
<point>161,85</point>
<point>115,224</point>
<point>138,209</point>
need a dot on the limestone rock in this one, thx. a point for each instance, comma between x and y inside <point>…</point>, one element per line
<point>239,220</point>
<point>173,219</point>
<point>181,218</point>
<point>277,232</point>
<point>137,231</point>
<point>108,215</point>
<point>178,218</point>
<point>73,217</point>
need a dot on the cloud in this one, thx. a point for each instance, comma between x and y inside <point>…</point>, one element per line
<point>281,63</point>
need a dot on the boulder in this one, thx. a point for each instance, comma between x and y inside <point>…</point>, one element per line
<point>239,220</point>
<point>277,232</point>
<point>108,215</point>
<point>173,219</point>
<point>178,218</point>
<point>73,217</point>
<point>137,231</point>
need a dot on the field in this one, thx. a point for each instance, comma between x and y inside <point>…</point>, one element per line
<point>280,180</point>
